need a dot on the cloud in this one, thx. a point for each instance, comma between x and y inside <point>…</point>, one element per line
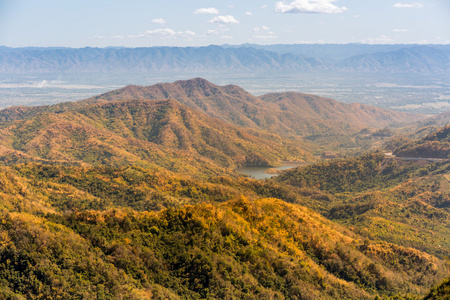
<point>219,30</point>
<point>400,30</point>
<point>224,20</point>
<point>166,33</point>
<point>208,11</point>
<point>159,21</point>
<point>263,33</point>
<point>309,6</point>
<point>405,5</point>
<point>261,29</point>
<point>382,39</point>
<point>162,33</point>
<point>248,13</point>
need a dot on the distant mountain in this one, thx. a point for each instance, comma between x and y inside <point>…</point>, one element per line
<point>229,59</point>
<point>282,113</point>
<point>328,53</point>
<point>211,59</point>
<point>418,59</point>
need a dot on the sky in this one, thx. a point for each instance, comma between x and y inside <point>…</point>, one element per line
<point>148,23</point>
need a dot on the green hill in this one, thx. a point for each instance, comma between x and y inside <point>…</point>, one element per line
<point>62,238</point>
<point>383,198</point>
<point>434,145</point>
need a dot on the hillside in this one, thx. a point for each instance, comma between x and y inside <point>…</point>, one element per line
<point>434,145</point>
<point>163,133</point>
<point>288,114</point>
<point>406,203</point>
<point>133,194</point>
<point>262,248</point>
<point>440,292</point>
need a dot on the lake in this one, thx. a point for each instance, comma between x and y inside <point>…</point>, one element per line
<point>259,172</point>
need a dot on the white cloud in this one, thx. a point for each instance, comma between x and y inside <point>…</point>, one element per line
<point>400,30</point>
<point>227,37</point>
<point>224,20</point>
<point>159,21</point>
<point>310,42</point>
<point>382,39</point>
<point>264,6</point>
<point>167,33</point>
<point>263,33</point>
<point>261,29</point>
<point>309,6</point>
<point>248,13</point>
<point>219,30</point>
<point>209,11</point>
<point>162,33</point>
<point>405,5</point>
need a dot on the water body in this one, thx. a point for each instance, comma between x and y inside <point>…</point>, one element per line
<point>260,172</point>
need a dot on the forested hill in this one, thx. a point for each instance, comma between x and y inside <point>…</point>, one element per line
<point>121,197</point>
<point>434,145</point>
<point>61,238</point>
<point>163,133</point>
<point>283,113</point>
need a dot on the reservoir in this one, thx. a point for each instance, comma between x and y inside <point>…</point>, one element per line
<point>260,172</point>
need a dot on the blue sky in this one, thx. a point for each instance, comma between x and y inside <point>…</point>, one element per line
<point>146,23</point>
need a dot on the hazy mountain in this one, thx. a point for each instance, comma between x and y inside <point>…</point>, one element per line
<point>418,59</point>
<point>329,53</point>
<point>228,59</point>
<point>211,59</point>
<point>281,113</point>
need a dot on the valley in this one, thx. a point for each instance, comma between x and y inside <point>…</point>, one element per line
<point>136,193</point>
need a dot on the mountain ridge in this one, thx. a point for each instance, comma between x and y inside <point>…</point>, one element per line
<point>426,59</point>
<point>268,112</point>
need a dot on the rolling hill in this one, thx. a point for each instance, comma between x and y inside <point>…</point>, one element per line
<point>434,145</point>
<point>288,114</point>
<point>164,133</point>
<point>132,194</point>
<point>406,203</point>
<point>69,232</point>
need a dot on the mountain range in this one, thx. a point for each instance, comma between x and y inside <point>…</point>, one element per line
<point>420,59</point>
<point>133,194</point>
<point>286,114</point>
<point>193,120</point>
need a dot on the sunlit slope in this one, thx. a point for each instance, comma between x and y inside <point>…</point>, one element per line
<point>164,133</point>
<point>384,198</point>
<point>434,145</point>
<point>283,113</point>
<point>241,248</point>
